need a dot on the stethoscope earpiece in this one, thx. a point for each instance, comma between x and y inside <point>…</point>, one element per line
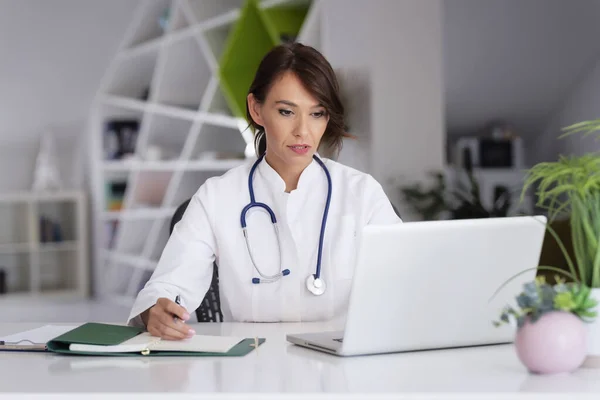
<point>314,283</point>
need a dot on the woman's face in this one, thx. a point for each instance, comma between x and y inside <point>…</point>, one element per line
<point>293,120</point>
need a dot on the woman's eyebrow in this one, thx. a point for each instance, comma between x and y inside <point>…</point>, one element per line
<point>287,103</point>
<point>292,104</point>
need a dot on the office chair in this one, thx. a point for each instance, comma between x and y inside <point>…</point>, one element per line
<point>210,307</point>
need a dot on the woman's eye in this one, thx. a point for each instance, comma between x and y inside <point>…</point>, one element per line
<point>285,113</point>
<point>318,114</point>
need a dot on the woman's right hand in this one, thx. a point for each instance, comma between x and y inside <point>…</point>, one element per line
<point>166,319</point>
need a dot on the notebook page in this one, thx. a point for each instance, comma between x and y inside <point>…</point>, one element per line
<point>198,343</point>
<point>143,341</point>
<point>135,344</point>
<point>39,335</point>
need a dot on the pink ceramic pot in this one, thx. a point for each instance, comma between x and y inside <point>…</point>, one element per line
<point>555,343</point>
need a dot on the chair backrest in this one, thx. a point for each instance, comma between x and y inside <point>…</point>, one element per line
<point>210,307</point>
<point>178,214</point>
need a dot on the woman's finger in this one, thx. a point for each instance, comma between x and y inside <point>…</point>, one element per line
<point>166,320</point>
<point>177,310</point>
<point>168,332</point>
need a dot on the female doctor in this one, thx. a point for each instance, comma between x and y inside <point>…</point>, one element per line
<point>282,228</point>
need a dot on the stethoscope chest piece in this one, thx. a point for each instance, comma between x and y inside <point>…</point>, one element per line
<point>315,286</point>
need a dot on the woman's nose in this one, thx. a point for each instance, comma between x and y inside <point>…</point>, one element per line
<point>302,128</point>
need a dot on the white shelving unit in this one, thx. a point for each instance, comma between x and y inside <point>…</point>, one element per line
<point>43,245</point>
<point>164,78</point>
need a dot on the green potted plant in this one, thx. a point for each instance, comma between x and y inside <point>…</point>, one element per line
<point>551,335</point>
<point>570,188</point>
<point>463,202</point>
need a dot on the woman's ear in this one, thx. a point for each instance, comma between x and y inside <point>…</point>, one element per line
<point>255,109</point>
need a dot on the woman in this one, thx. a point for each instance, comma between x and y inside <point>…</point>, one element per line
<point>268,274</point>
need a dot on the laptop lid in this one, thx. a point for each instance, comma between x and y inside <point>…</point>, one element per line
<point>427,285</point>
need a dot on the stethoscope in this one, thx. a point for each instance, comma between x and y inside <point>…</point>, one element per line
<point>315,284</point>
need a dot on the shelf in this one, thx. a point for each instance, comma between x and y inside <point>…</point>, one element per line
<point>133,75</point>
<point>17,270</point>
<point>132,260</point>
<point>36,197</point>
<point>142,213</point>
<point>57,270</point>
<point>190,182</point>
<point>131,236</point>
<point>194,165</point>
<point>179,19</point>
<point>127,108</point>
<point>217,31</point>
<point>165,139</point>
<point>16,223</point>
<point>120,102</point>
<point>38,247</point>
<point>47,226</point>
<point>25,297</point>
<point>150,188</point>
<point>143,48</point>
<point>218,139</point>
<point>218,104</point>
<point>206,10</point>
<point>57,221</point>
<point>148,26</point>
<point>12,248</point>
<point>71,245</point>
<point>184,77</point>
<point>155,249</point>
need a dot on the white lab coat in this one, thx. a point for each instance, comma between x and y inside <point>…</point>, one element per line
<point>210,230</point>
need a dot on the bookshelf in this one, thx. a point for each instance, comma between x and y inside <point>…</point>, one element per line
<point>167,117</point>
<point>43,245</point>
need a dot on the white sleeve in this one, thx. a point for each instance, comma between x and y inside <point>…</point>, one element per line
<point>380,209</point>
<point>186,265</point>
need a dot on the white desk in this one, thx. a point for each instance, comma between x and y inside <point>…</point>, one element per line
<point>279,367</point>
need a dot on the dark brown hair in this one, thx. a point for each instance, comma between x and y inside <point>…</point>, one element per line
<point>317,76</point>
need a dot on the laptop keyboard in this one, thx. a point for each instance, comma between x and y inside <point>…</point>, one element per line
<point>341,340</point>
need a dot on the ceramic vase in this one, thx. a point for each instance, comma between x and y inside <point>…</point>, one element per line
<point>593,329</point>
<point>555,343</point>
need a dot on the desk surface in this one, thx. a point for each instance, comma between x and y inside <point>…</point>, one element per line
<point>279,366</point>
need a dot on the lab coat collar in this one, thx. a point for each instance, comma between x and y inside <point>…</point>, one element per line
<point>276,182</point>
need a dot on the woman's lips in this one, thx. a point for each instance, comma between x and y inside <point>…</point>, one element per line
<point>300,148</point>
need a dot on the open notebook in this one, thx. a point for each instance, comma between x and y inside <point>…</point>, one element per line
<point>105,339</point>
<point>145,342</point>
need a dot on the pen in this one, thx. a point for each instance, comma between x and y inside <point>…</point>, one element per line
<point>178,302</point>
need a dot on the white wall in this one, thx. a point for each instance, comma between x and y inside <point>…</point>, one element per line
<point>515,60</point>
<point>400,44</point>
<point>582,103</point>
<point>53,54</point>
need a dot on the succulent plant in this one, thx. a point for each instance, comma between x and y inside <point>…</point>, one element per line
<point>539,297</point>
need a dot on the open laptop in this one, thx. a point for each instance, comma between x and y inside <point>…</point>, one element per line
<point>427,285</point>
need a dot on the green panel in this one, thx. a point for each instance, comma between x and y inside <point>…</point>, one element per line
<point>286,20</point>
<point>250,40</point>
<point>254,35</point>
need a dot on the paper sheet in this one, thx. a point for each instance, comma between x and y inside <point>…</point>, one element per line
<point>197,343</point>
<point>39,335</point>
<point>203,343</point>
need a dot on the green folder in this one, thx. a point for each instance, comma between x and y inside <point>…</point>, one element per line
<point>111,335</point>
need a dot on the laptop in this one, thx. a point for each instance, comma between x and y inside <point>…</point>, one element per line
<point>430,285</point>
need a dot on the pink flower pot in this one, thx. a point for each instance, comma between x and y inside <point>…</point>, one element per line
<point>555,343</point>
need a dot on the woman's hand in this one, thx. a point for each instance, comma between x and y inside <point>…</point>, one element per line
<point>166,320</point>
